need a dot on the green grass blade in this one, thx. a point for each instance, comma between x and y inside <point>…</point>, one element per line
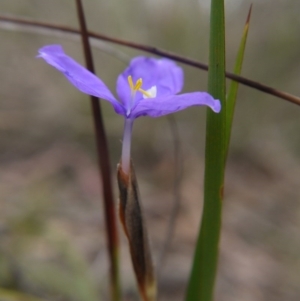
<point>233,89</point>
<point>201,284</point>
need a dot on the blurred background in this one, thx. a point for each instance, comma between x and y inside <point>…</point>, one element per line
<point>52,239</point>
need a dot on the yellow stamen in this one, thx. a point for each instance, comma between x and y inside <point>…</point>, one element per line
<point>131,85</point>
<point>134,87</point>
<point>138,84</point>
<point>145,93</point>
<point>137,87</point>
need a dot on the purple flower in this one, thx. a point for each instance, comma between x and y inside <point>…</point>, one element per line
<point>147,87</point>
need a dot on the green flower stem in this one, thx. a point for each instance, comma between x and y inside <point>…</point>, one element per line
<point>202,279</point>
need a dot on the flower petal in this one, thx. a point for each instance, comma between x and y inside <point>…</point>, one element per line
<point>81,78</point>
<point>162,73</point>
<point>156,107</point>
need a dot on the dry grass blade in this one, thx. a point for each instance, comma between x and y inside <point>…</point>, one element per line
<point>104,166</point>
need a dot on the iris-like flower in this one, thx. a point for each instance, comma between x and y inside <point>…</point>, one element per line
<point>147,87</point>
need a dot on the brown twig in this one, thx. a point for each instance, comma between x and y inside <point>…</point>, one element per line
<point>187,61</point>
<point>104,166</point>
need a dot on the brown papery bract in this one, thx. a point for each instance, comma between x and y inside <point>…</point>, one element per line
<point>131,216</point>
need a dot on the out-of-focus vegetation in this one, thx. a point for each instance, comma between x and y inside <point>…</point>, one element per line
<point>52,239</point>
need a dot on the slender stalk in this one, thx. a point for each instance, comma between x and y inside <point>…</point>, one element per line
<point>104,167</point>
<point>184,60</point>
<point>126,145</point>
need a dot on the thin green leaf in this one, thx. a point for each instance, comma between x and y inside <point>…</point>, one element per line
<point>233,89</point>
<point>201,284</point>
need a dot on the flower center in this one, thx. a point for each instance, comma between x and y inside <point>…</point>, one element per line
<point>137,87</point>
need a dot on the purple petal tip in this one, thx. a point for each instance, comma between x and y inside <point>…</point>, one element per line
<point>217,106</point>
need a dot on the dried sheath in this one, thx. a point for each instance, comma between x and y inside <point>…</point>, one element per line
<point>132,220</point>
